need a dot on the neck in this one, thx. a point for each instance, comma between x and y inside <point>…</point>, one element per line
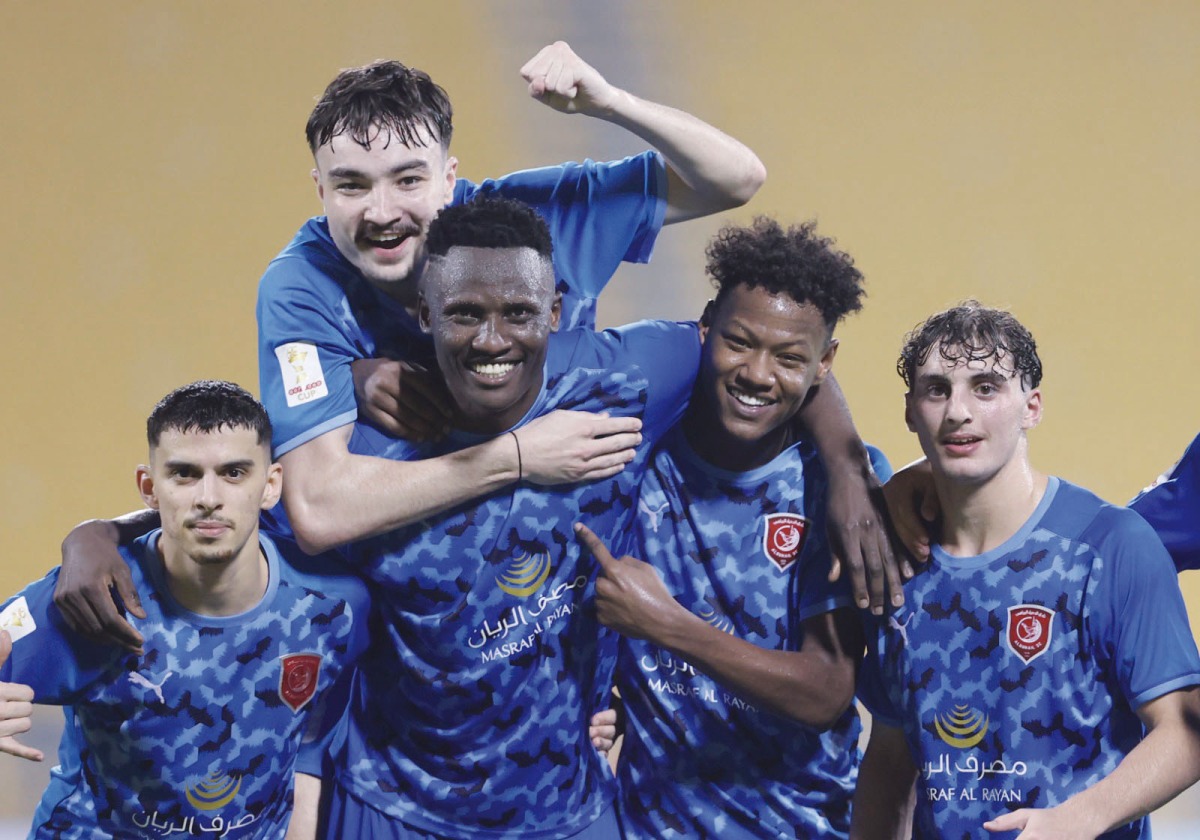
<point>404,292</point>
<point>216,588</point>
<point>979,517</point>
<point>712,442</point>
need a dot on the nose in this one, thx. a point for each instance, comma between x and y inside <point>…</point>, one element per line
<point>958,407</point>
<point>208,495</point>
<point>383,207</point>
<point>490,338</point>
<point>756,371</point>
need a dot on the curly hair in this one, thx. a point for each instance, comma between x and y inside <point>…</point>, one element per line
<point>796,262</point>
<point>972,332</point>
<point>208,406</point>
<point>489,223</point>
<point>381,98</point>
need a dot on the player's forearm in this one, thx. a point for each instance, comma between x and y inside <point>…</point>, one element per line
<point>1163,765</point>
<point>715,172</point>
<point>885,795</point>
<point>812,687</point>
<point>306,808</point>
<point>351,497</point>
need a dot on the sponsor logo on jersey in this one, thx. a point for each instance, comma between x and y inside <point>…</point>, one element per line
<point>298,675</point>
<point>783,538</point>
<point>963,727</point>
<point>524,575</point>
<point>17,620</point>
<point>216,790</point>
<point>715,617</point>
<point>303,378</point>
<point>1029,630</point>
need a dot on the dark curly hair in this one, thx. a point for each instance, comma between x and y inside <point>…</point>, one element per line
<point>381,97</point>
<point>208,406</point>
<point>972,332</point>
<point>488,223</point>
<point>796,262</point>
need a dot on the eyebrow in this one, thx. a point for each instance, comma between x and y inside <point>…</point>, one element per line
<point>403,166</point>
<point>244,464</point>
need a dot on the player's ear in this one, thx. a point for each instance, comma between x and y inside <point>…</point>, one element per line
<point>908,412</point>
<point>274,486</point>
<point>145,485</point>
<point>826,362</point>
<point>1033,409</point>
<point>706,319</point>
<point>316,176</point>
<point>424,317</point>
<point>556,312</point>
<point>451,175</point>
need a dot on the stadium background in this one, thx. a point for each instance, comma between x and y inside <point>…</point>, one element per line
<point>1036,156</point>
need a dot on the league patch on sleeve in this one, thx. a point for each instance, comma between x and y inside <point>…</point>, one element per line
<point>303,378</point>
<point>17,620</point>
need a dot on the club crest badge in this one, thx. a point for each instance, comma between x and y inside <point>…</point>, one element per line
<point>783,538</point>
<point>1029,630</point>
<point>298,678</point>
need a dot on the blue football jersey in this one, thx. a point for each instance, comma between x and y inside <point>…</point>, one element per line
<point>747,552</point>
<point>470,713</point>
<point>1172,507</point>
<point>1015,675</point>
<point>316,313</point>
<point>200,735</point>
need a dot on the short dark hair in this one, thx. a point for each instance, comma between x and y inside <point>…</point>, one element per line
<point>796,262</point>
<point>384,96</point>
<point>489,223</point>
<point>208,406</point>
<point>972,332</point>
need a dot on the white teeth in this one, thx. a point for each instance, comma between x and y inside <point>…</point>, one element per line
<point>494,369</point>
<point>748,399</point>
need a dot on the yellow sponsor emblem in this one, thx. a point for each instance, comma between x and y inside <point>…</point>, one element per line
<point>962,728</point>
<point>216,791</point>
<point>523,577</point>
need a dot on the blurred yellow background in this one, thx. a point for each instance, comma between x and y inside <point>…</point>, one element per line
<point>1037,156</point>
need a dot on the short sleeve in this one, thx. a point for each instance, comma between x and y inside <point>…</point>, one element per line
<point>1138,621</point>
<point>305,347</point>
<point>871,689</point>
<point>599,215</point>
<point>667,352</point>
<point>1172,507</point>
<point>46,654</point>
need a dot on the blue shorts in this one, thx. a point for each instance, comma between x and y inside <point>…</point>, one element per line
<point>349,817</point>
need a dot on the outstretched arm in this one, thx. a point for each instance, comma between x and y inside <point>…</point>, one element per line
<point>333,496</point>
<point>886,792</point>
<point>813,685</point>
<point>708,170</point>
<point>1163,765</point>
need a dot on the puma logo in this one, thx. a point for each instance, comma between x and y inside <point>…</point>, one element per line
<point>138,679</point>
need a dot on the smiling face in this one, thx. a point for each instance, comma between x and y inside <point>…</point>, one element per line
<point>762,353</point>
<point>209,488</point>
<point>491,312</point>
<point>971,416</point>
<point>380,200</point>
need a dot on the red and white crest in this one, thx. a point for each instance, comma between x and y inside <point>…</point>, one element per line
<point>784,537</point>
<point>298,678</point>
<point>1029,629</point>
